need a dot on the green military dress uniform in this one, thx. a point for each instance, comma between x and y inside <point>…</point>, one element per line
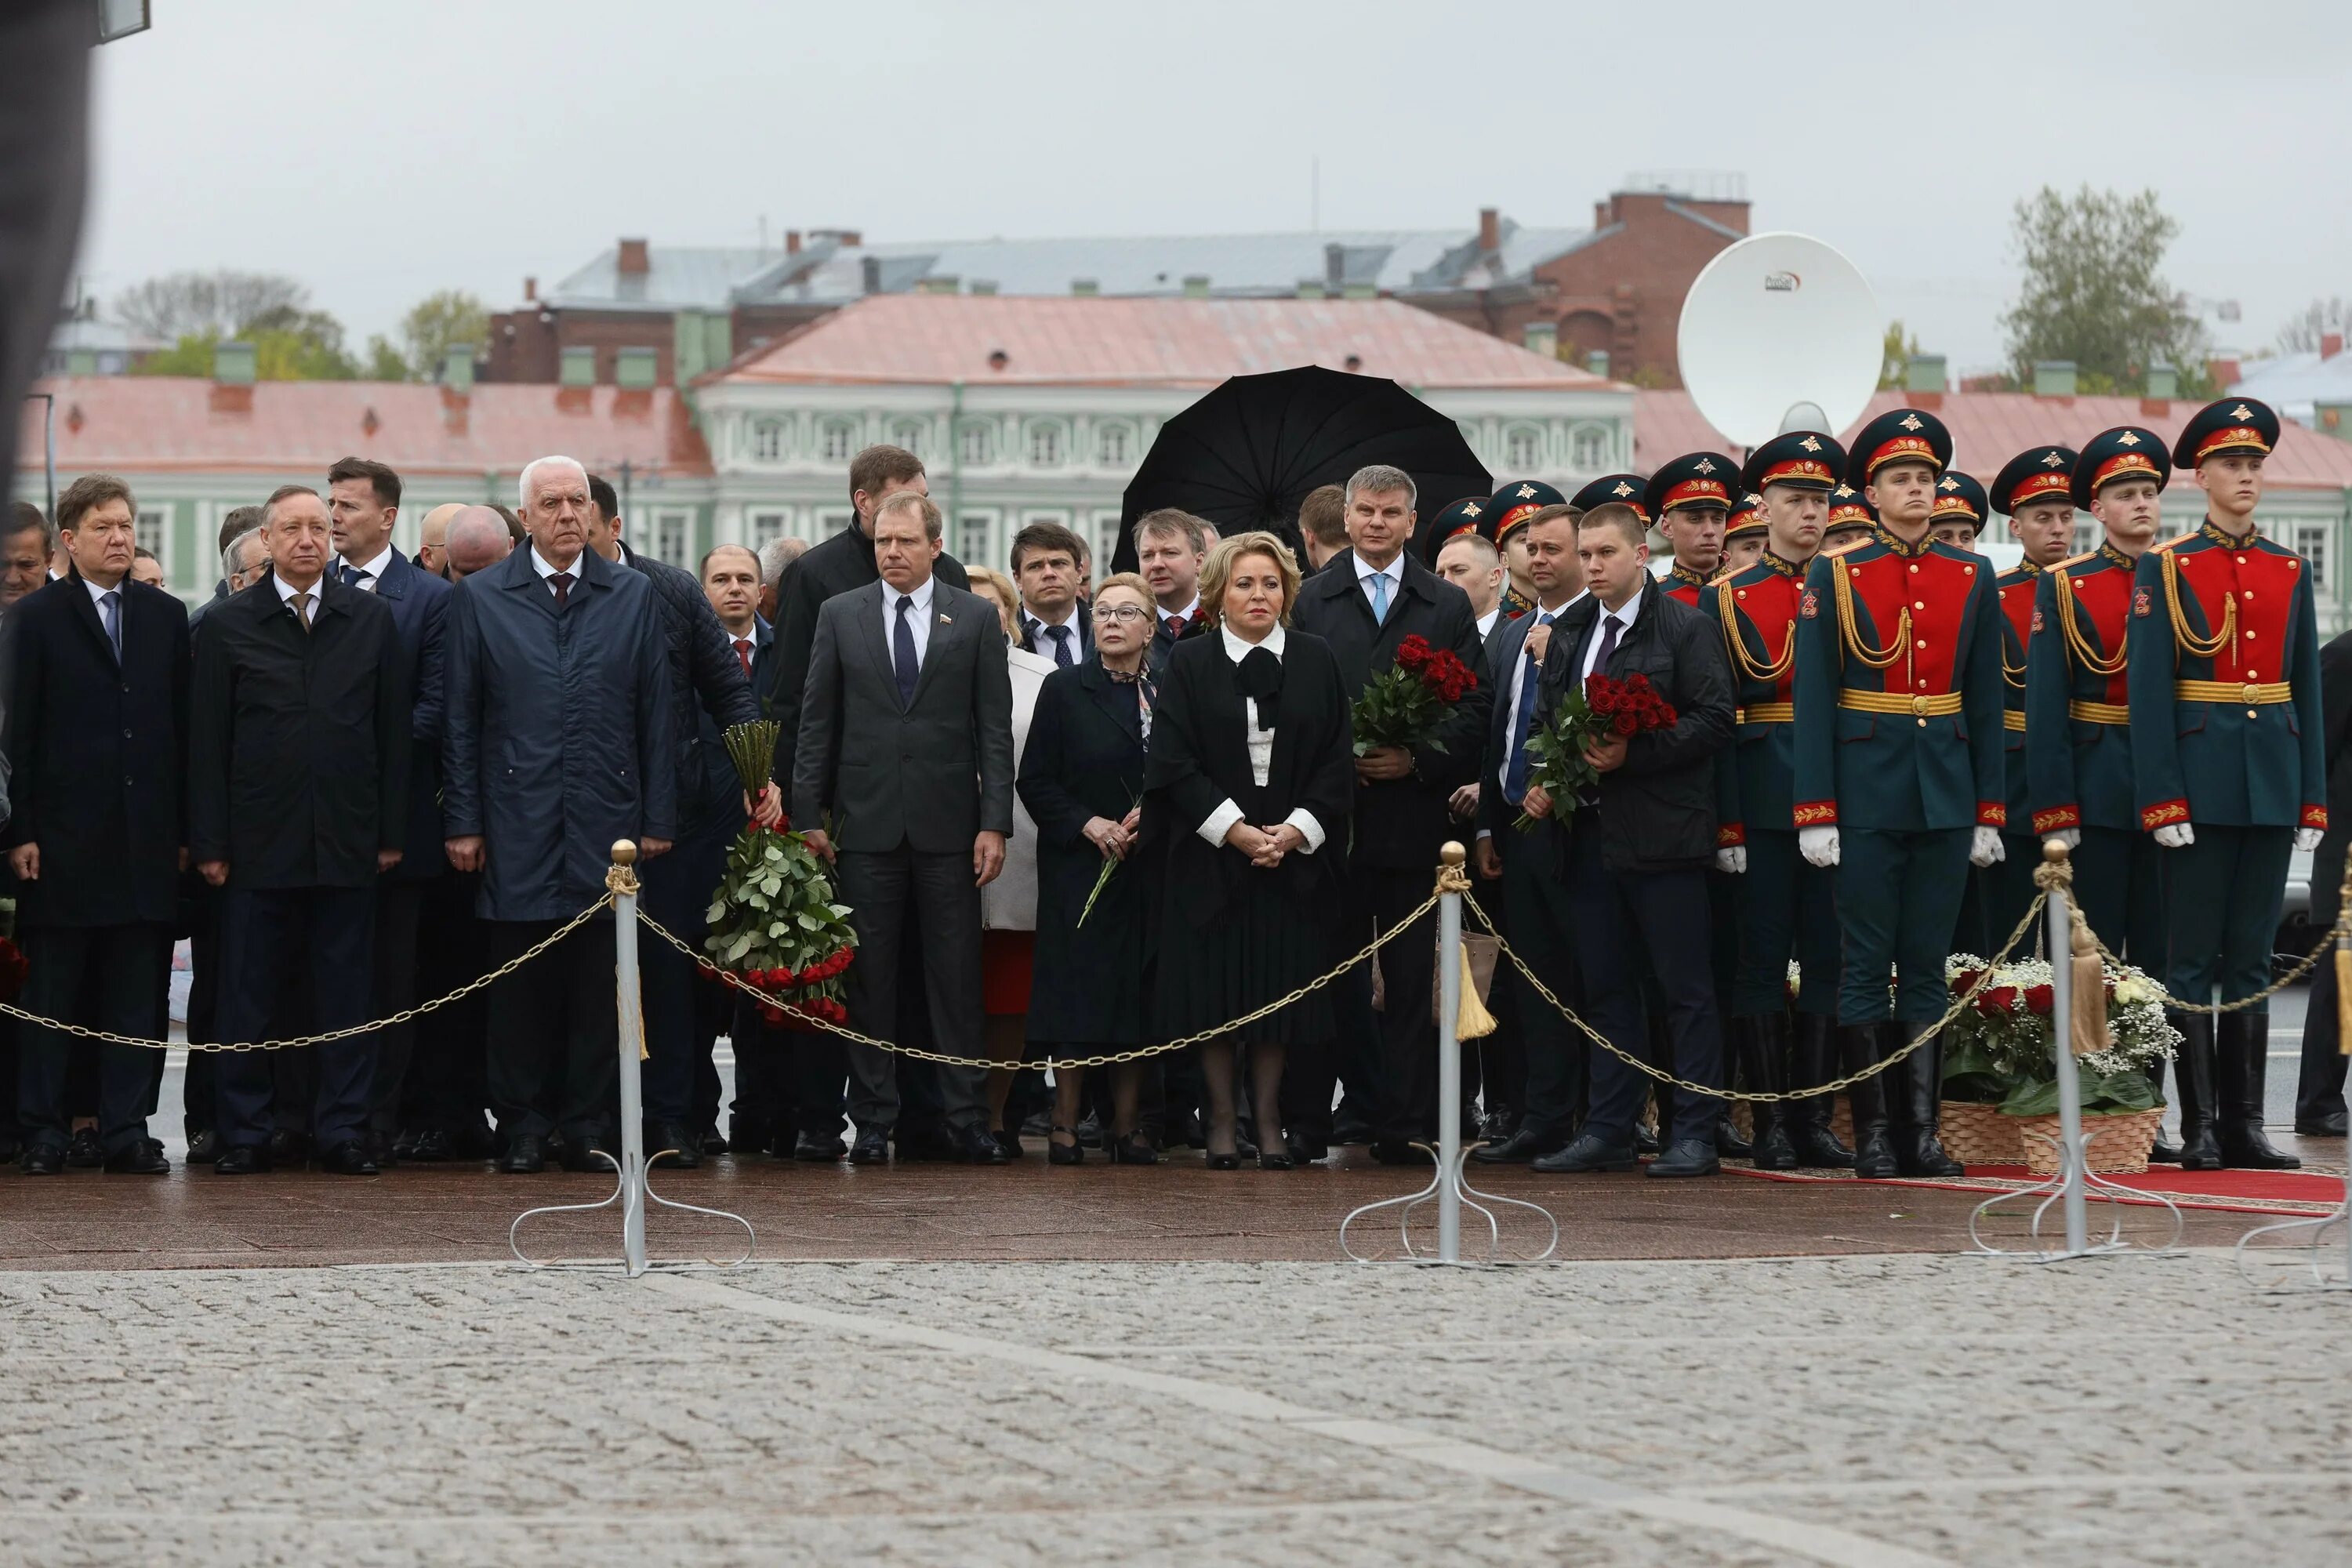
<point>2227,739</point>
<point>1897,745</point>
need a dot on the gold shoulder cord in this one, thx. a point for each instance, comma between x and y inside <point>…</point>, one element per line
<point>1745,662</point>
<point>2191,643</point>
<point>2014,674</point>
<point>1876,659</point>
<point>2076,640</point>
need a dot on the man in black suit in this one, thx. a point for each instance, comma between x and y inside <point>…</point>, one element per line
<point>298,801</point>
<point>363,503</point>
<point>97,726</point>
<point>1170,547</point>
<point>907,741</point>
<point>2319,1087</point>
<point>1635,857</point>
<point>1048,573</point>
<point>1368,598</point>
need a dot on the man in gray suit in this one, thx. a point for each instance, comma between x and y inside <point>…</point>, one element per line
<point>902,779</point>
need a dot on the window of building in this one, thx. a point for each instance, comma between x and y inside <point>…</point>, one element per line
<point>829,524</point>
<point>909,434</point>
<point>672,536</point>
<point>768,441</point>
<point>152,534</point>
<point>1045,446</point>
<point>1110,442</point>
<point>840,440</point>
<point>975,446</point>
<point>765,525</point>
<point>1522,449</point>
<point>1105,541</point>
<point>2087,533</point>
<point>2311,543</point>
<point>1590,449</point>
<point>973,531</point>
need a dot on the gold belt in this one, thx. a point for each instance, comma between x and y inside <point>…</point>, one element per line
<point>2013,719</point>
<point>2231,691</point>
<point>1926,703</point>
<point>2097,712</point>
<point>1765,713</point>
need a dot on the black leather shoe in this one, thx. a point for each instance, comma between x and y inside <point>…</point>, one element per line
<point>42,1160</point>
<point>710,1142</point>
<point>2242,1046</point>
<point>819,1151</point>
<point>1400,1151</point>
<point>2317,1127</point>
<point>1302,1148</point>
<point>526,1155</point>
<point>1009,1139</point>
<point>1269,1161</point>
<point>977,1146</point>
<point>1134,1149</point>
<point>203,1146</point>
<point>2194,1086</point>
<point>1688,1157</point>
<point>674,1143</point>
<point>2165,1152</point>
<point>1497,1125</point>
<point>1529,1143</point>
<point>872,1148</point>
<point>289,1147</point>
<point>584,1152</point>
<point>141,1157</point>
<point>1728,1142</point>
<point>432,1147</point>
<point>243,1160</point>
<point>1585,1152</point>
<point>381,1147</point>
<point>1348,1128</point>
<point>348,1158</point>
<point>85,1152</point>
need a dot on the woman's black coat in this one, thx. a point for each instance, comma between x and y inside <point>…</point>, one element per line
<point>1085,759</point>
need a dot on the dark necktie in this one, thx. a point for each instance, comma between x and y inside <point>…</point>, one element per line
<point>1514,777</point>
<point>354,577</point>
<point>1175,627</point>
<point>1609,627</point>
<point>1061,636</point>
<point>112,599</point>
<point>744,654</point>
<point>902,652</point>
<point>563,581</point>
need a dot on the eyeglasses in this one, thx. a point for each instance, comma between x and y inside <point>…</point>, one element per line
<point>1124,613</point>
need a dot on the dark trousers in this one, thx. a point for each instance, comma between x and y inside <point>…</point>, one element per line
<point>554,1028</point>
<point>2319,1087</point>
<point>448,1084</point>
<point>2119,882</point>
<point>398,906</point>
<point>1495,1069</point>
<point>1404,1064</point>
<point>1898,903</point>
<point>1542,921</point>
<point>1788,909</point>
<point>878,887</point>
<point>264,934</point>
<point>678,890</point>
<point>63,962</point>
<point>2222,911</point>
<point>201,1087</point>
<point>1627,925</point>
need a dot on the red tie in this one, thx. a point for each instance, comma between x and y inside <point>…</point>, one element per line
<point>1175,625</point>
<point>743,653</point>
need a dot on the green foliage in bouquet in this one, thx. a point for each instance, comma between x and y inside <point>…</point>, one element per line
<point>773,918</point>
<point>2001,1050</point>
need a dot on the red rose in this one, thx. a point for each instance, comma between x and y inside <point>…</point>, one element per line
<point>1964,979</point>
<point>785,977</point>
<point>1599,693</point>
<point>1625,724</point>
<point>2040,999</point>
<point>1999,999</point>
<point>1667,718</point>
<point>772,1015</point>
<point>1412,652</point>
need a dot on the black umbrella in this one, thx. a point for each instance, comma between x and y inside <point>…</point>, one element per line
<point>1247,455</point>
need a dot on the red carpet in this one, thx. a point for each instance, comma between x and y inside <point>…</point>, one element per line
<point>2240,1191</point>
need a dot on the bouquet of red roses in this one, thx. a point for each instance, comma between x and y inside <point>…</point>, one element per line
<point>1598,709</point>
<point>772,919</point>
<point>1408,703</point>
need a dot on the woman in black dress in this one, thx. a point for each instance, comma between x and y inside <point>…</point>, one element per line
<point>1081,778</point>
<point>1251,782</point>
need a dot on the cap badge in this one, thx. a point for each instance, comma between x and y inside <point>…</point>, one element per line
<point>1622,489</point>
<point>1910,422</point>
<point>1810,445</point>
<point>1704,465</point>
<point>2053,461</point>
<point>2241,412</point>
<point>2127,439</point>
<point>1526,492</point>
<point>1470,510</point>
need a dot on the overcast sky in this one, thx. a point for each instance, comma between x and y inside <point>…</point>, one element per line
<point>381,148</point>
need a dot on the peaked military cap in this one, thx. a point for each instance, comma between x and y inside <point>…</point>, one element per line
<point>1513,504</point>
<point>1695,479</point>
<point>2036,474</point>
<point>1747,516</point>
<point>1618,489</point>
<point>2232,424</point>
<point>1467,515</point>
<point>2125,452</point>
<point>1805,458</point>
<point>1848,508</point>
<point>1898,435</point>
<point>1959,495</point>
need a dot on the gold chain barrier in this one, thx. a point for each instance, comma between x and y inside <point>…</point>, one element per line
<point>403,1016</point>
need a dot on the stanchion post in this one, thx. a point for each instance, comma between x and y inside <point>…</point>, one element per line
<point>632,1047</point>
<point>2060,944</point>
<point>1449,1053</point>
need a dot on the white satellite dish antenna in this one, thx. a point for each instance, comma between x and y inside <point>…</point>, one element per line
<point>1780,332</point>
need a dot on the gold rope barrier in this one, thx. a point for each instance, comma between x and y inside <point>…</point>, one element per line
<point>403,1016</point>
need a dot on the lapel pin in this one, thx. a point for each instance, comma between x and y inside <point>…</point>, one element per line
<point>946,619</point>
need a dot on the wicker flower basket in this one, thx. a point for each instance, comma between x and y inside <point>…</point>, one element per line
<point>2119,1150</point>
<point>1978,1134</point>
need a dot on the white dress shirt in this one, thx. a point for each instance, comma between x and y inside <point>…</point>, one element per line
<point>374,570</point>
<point>1623,616</point>
<point>918,619</point>
<point>1261,751</point>
<point>548,569</point>
<point>98,598</point>
<point>286,592</point>
<point>1041,639</point>
<point>1488,622</point>
<point>1161,615</point>
<point>1393,572</point>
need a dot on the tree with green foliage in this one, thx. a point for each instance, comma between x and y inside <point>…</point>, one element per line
<point>223,302</point>
<point>450,318</point>
<point>1895,355</point>
<point>2091,293</point>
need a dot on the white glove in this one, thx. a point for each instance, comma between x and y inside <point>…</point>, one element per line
<point>2176,836</point>
<point>1987,848</point>
<point>1819,846</point>
<point>2305,839</point>
<point>2072,837</point>
<point>1732,858</point>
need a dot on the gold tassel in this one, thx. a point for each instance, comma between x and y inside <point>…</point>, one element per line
<point>2090,1033</point>
<point>1471,1019</point>
<point>2343,997</point>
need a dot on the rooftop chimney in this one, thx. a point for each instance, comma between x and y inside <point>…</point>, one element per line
<point>530,290</point>
<point>633,262</point>
<point>457,368</point>
<point>1335,265</point>
<point>791,242</point>
<point>2330,344</point>
<point>1084,287</point>
<point>869,270</point>
<point>2053,378</point>
<point>1196,285</point>
<point>1597,361</point>
<point>1924,373</point>
<point>983,285</point>
<point>1490,230</point>
<point>1542,338</point>
<point>2163,382</point>
<point>2223,372</point>
<point>233,364</point>
<point>1311,288</point>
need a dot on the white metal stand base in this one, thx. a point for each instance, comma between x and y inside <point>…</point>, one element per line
<point>2283,1260</point>
<point>2076,1178</point>
<point>1442,1179</point>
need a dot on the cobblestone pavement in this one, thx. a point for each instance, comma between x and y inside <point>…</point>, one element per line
<point>1867,1411</point>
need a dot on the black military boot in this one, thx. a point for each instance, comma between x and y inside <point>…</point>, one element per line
<point>1729,1143</point>
<point>2241,1060</point>
<point>1763,1044</point>
<point>1874,1147</point>
<point>2160,1152</point>
<point>1917,1149</point>
<point>1813,1060</point>
<point>2192,1080</point>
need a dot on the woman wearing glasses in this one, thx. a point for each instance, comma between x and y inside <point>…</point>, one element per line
<point>1081,777</point>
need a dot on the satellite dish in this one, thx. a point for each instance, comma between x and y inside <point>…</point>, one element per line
<point>1780,332</point>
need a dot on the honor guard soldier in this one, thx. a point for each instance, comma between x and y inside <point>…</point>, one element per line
<point>1689,501</point>
<point>1898,771</point>
<point>1851,518</point>
<point>1960,511</point>
<point>2227,768</point>
<point>1785,906</point>
<point>1507,510</point>
<point>1463,516</point>
<point>2078,748</point>
<point>1743,534</point>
